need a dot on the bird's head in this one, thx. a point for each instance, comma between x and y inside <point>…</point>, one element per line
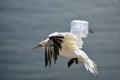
<point>40,45</point>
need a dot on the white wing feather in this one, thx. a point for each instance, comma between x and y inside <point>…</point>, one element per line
<point>80,29</point>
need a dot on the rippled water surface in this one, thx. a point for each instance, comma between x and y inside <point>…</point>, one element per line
<point>24,23</point>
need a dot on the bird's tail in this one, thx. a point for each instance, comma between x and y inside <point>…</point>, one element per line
<point>88,63</point>
<point>91,66</point>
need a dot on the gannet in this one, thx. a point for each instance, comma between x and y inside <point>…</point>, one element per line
<point>69,44</point>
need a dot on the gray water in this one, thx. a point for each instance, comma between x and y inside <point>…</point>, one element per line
<point>24,23</point>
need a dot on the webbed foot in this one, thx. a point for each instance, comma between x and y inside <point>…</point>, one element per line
<point>71,61</point>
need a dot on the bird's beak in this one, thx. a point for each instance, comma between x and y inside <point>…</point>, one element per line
<point>38,46</point>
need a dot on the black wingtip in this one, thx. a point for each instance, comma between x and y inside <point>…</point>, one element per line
<point>90,30</point>
<point>45,65</point>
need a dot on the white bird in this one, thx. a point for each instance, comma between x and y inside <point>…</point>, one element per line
<point>69,44</point>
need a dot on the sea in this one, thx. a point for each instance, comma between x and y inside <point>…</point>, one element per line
<point>24,23</point>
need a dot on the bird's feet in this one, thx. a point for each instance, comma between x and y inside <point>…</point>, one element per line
<point>71,61</point>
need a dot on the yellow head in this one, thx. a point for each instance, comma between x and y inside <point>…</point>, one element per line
<point>42,44</point>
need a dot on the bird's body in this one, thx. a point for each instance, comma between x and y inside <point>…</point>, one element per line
<point>68,44</point>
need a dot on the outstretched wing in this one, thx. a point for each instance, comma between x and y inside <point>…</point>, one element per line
<point>80,29</point>
<point>53,45</point>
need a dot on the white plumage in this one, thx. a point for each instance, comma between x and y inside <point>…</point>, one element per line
<point>68,44</point>
<point>80,29</point>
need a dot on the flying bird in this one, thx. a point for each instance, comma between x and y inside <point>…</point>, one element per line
<point>69,44</point>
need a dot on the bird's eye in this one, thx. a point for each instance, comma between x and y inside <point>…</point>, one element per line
<point>39,45</point>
